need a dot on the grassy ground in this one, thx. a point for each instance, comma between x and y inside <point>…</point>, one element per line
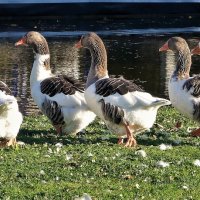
<point>93,163</point>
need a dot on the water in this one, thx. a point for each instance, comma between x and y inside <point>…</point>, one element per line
<point>132,53</point>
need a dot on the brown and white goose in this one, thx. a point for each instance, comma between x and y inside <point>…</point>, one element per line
<point>60,98</point>
<point>125,107</point>
<point>184,91</point>
<point>10,117</point>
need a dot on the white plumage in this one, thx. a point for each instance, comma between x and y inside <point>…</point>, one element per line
<point>76,113</point>
<point>140,109</point>
<point>10,117</point>
<point>180,98</point>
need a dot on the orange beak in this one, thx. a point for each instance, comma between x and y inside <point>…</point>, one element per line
<point>165,47</point>
<point>78,44</point>
<point>196,50</point>
<point>22,41</point>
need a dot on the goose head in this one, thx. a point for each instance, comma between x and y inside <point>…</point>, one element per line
<point>175,44</point>
<point>36,41</point>
<point>182,56</point>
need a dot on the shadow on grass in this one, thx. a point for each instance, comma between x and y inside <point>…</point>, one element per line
<point>50,137</point>
<point>146,139</point>
<point>176,139</point>
<point>36,136</point>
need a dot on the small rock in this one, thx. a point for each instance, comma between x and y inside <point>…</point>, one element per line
<point>162,164</point>
<point>141,153</point>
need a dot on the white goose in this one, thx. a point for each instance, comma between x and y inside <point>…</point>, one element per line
<point>10,117</point>
<point>184,91</point>
<point>60,98</point>
<point>125,108</point>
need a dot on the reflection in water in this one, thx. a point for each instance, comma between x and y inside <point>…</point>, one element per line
<point>64,58</point>
<point>136,57</point>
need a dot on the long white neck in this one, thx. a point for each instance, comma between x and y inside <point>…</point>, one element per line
<point>39,71</point>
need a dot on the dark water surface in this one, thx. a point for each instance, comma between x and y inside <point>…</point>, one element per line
<point>132,52</point>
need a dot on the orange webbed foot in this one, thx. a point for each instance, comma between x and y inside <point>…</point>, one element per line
<point>131,142</point>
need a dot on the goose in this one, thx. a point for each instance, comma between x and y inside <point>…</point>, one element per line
<point>10,117</point>
<point>59,97</point>
<point>184,91</point>
<point>125,108</point>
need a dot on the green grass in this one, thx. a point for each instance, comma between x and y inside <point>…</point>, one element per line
<point>93,163</point>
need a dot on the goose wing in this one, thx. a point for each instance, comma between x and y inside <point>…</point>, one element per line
<point>123,93</point>
<point>66,91</point>
<point>192,85</point>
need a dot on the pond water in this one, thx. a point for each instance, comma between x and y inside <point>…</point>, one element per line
<point>132,53</point>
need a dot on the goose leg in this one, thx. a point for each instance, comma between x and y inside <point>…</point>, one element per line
<point>130,139</point>
<point>11,142</point>
<point>120,141</point>
<point>195,133</point>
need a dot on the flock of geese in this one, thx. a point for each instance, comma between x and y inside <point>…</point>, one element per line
<point>71,105</point>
